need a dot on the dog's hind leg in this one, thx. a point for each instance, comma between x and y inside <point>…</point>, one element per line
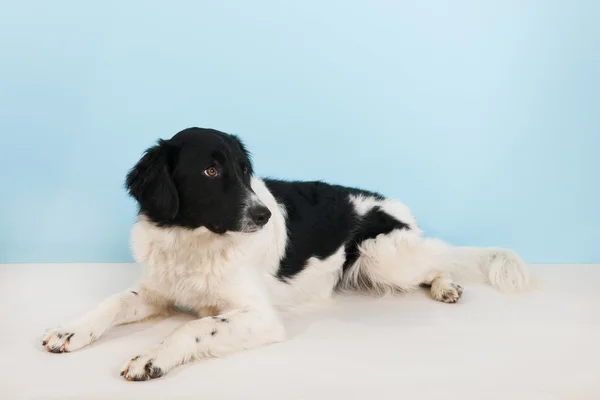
<point>402,260</point>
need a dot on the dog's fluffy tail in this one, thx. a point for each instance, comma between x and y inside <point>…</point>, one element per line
<point>499,267</point>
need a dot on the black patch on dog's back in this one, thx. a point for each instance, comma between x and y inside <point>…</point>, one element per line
<point>321,219</point>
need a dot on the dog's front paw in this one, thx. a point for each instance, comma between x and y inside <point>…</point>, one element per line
<point>446,291</point>
<point>142,368</point>
<point>64,340</point>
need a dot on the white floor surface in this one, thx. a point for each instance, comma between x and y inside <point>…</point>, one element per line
<point>540,345</point>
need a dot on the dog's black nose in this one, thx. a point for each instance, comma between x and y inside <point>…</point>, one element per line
<point>259,215</point>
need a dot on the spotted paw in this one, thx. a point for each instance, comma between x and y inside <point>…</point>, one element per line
<point>141,368</point>
<point>64,340</point>
<point>446,291</point>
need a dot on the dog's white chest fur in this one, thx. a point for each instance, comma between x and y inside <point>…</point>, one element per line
<point>179,267</point>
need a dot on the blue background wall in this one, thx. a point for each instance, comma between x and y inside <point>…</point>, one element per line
<point>484,117</point>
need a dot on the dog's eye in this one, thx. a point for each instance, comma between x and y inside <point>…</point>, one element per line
<point>246,170</point>
<point>211,172</point>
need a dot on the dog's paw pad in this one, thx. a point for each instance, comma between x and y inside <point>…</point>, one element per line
<point>141,368</point>
<point>446,292</point>
<point>66,340</point>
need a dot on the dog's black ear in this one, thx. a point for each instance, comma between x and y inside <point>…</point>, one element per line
<point>245,152</point>
<point>150,182</point>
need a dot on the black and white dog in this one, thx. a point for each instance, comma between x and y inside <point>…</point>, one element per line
<point>238,250</point>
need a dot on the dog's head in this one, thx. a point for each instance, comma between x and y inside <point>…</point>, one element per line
<point>198,178</point>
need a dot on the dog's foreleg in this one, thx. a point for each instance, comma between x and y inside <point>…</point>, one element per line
<point>126,307</point>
